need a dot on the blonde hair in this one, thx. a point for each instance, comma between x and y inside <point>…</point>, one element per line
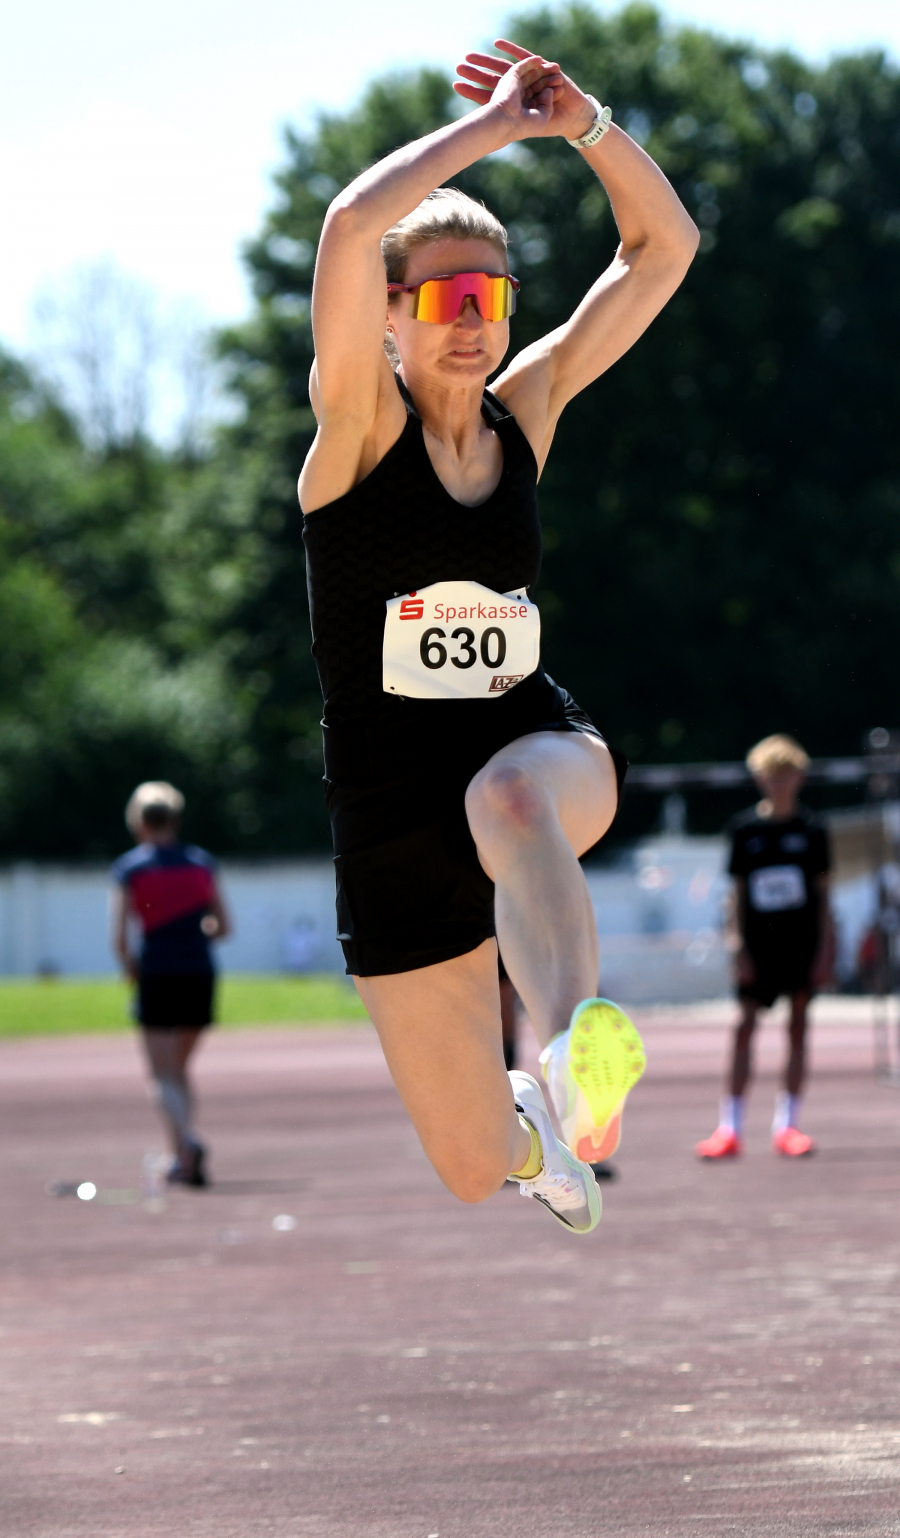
<point>155,804</point>
<point>445,214</point>
<point>775,753</point>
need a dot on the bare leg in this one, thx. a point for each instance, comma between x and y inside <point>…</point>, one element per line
<point>741,1063</point>
<point>508,1011</point>
<point>795,1072</point>
<point>168,1052</point>
<point>533,809</point>
<point>440,1030</point>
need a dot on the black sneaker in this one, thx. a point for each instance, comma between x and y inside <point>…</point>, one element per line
<point>189,1169</point>
<point>195,1169</point>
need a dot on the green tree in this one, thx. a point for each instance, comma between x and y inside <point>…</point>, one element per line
<point>722,510</point>
<point>101,681</point>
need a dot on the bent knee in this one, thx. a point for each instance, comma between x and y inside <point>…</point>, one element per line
<point>505,796</point>
<point>475,1183</point>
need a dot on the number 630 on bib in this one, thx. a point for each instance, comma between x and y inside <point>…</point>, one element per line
<point>459,640</point>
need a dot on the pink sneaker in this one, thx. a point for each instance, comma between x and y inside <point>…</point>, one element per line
<point>724,1144</point>
<point>791,1143</point>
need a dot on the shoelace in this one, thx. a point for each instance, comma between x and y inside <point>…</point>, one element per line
<point>557,1189</point>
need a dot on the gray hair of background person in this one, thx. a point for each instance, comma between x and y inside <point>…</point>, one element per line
<point>155,803</point>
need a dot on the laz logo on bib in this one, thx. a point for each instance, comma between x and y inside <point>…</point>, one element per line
<point>777,888</point>
<point>459,641</point>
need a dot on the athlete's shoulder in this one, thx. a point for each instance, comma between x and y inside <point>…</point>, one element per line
<point>743,822</point>
<point>349,449</point>
<point>194,855</point>
<point>503,418</point>
<point>134,860</point>
<point>523,393</point>
<point>495,409</point>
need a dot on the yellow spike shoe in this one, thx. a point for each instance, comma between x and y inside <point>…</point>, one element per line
<point>589,1070</point>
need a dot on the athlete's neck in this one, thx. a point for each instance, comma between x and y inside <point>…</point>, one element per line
<point>464,450</point>
<point>450,410</point>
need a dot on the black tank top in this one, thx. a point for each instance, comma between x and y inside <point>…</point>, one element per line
<point>398,531</point>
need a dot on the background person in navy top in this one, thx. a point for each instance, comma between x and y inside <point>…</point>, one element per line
<point>169,889</point>
<point>782,934</point>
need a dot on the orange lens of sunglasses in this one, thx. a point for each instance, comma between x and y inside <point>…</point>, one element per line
<point>439,300</point>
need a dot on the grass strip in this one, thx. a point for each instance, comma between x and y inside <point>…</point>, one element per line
<point>69,1005</point>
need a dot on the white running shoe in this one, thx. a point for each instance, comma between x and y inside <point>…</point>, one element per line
<point>565,1186</point>
<point>589,1069</point>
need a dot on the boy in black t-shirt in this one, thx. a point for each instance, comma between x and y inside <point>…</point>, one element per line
<point>782,934</point>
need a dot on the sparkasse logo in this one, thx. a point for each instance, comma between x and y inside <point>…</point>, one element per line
<point>412,607</point>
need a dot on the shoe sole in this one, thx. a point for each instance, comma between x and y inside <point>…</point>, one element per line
<point>606,1058</point>
<point>529,1096</point>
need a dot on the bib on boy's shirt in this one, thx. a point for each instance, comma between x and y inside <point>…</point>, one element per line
<point>776,888</point>
<point>459,640</point>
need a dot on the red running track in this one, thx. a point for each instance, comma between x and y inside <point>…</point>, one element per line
<point>719,1358</point>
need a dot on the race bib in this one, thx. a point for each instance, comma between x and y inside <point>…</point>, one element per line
<point>777,888</point>
<point>459,641</point>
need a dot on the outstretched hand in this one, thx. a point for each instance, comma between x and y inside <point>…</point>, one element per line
<point>533,93</point>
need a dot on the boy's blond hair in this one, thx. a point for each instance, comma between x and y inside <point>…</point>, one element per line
<point>774,753</point>
<point>155,803</point>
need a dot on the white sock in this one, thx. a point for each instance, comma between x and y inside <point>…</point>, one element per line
<point>175,1102</point>
<point>731,1113</point>
<point>787,1111</point>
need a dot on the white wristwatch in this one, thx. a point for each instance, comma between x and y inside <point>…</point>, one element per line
<point>598,128</point>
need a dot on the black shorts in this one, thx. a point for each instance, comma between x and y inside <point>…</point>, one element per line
<point>168,1000</point>
<point>777,974</point>
<point>411,891</point>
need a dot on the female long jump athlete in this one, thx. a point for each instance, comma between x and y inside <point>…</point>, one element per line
<point>462,782</point>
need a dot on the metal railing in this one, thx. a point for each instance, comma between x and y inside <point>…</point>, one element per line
<point>868,767</point>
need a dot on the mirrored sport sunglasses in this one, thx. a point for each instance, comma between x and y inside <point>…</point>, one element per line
<point>440,300</point>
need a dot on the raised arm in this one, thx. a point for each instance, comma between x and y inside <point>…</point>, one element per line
<point>351,387</point>
<point>658,240</point>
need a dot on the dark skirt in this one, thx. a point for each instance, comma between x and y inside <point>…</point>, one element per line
<point>167,1001</point>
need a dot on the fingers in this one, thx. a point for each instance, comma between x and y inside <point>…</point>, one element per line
<point>477,76</point>
<point>481,73</point>
<point>512,48</point>
<point>543,101</point>
<point>471,93</point>
<point>487,61</point>
<point>538,65</point>
<point>538,80</point>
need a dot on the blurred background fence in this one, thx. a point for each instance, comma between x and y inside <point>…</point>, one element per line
<point>659,908</point>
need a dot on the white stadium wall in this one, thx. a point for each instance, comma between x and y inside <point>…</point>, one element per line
<point>659,915</point>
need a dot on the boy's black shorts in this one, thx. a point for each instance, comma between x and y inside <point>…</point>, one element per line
<point>779,972</point>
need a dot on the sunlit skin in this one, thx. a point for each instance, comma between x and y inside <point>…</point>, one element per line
<point>445,368</point>
<point>543,800</point>
<point>780,789</point>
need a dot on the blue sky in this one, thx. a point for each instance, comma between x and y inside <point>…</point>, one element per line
<point>149,133</point>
